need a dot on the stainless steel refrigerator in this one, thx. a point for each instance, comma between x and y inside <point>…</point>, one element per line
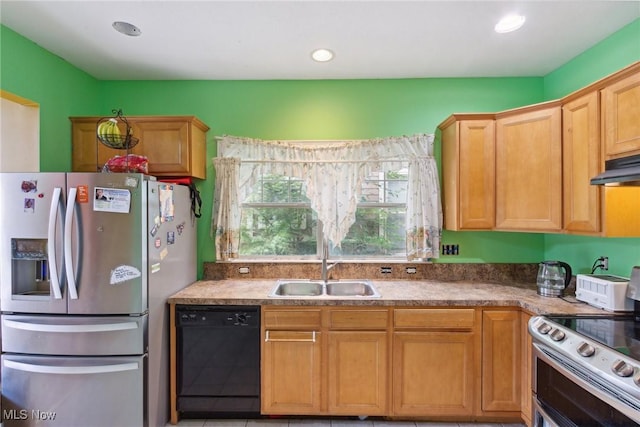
<point>87,261</point>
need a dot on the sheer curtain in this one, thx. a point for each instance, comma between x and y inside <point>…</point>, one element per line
<point>225,221</point>
<point>333,172</point>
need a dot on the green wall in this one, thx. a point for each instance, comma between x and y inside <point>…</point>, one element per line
<point>320,109</point>
<point>61,89</point>
<point>332,109</point>
<point>608,56</point>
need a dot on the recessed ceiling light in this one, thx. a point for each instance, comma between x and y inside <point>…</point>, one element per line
<point>509,23</point>
<point>126,28</point>
<point>322,55</point>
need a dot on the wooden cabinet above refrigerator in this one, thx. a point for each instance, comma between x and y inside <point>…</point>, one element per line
<point>175,146</point>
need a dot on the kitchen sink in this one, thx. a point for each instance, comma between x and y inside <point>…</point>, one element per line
<point>292,288</point>
<point>356,288</point>
<point>297,288</point>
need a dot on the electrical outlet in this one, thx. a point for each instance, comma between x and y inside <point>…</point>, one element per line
<point>605,263</point>
<point>450,249</point>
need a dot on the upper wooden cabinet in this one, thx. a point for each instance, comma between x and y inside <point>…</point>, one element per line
<point>529,168</point>
<point>468,172</point>
<point>174,145</point>
<point>581,161</point>
<point>621,116</point>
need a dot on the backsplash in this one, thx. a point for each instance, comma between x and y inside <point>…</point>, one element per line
<point>499,273</point>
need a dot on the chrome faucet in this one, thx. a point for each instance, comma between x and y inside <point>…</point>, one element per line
<point>325,255</point>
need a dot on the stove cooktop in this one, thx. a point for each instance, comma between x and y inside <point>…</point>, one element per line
<point>618,332</point>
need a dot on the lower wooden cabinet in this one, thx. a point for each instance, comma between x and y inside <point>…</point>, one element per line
<point>526,403</point>
<point>291,367</point>
<point>291,361</point>
<point>357,370</point>
<point>435,362</point>
<point>501,361</point>
<point>433,373</point>
<point>325,361</point>
<point>446,363</point>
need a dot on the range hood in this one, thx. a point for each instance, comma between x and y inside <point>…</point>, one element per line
<point>622,171</point>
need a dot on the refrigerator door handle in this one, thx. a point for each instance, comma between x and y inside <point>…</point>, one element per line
<point>43,327</point>
<point>54,277</point>
<point>68,253</point>
<point>65,370</point>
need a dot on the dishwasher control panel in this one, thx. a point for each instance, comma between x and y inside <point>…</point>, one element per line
<point>217,316</point>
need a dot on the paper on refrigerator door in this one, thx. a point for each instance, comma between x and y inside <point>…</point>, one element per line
<point>111,200</point>
<point>123,273</point>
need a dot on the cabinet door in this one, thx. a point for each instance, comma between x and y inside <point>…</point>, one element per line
<point>527,369</point>
<point>433,373</point>
<point>501,362</point>
<point>166,145</point>
<point>87,153</point>
<point>291,373</point>
<point>357,373</point>
<point>581,162</point>
<point>468,159</point>
<point>620,113</point>
<point>529,171</point>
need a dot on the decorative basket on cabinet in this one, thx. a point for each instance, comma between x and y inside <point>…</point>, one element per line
<point>109,132</point>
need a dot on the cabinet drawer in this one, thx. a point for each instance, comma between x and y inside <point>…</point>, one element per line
<point>358,319</point>
<point>292,319</point>
<point>435,318</point>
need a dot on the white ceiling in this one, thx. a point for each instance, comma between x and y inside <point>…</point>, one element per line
<point>228,40</point>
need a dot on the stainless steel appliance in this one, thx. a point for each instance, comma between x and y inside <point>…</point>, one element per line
<point>587,368</point>
<point>622,171</point>
<point>87,261</point>
<point>586,371</point>
<point>218,361</point>
<point>553,278</point>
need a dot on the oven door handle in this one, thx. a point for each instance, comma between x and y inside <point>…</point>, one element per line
<point>541,417</point>
<point>604,395</point>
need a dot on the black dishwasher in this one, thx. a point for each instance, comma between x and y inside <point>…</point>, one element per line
<point>218,360</point>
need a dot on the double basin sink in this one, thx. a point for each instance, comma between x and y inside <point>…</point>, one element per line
<point>291,288</point>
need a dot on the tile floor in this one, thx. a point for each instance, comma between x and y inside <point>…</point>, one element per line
<point>328,423</point>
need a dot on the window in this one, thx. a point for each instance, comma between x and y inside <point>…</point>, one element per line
<point>369,198</point>
<point>277,219</point>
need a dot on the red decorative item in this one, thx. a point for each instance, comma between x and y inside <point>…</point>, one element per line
<point>128,163</point>
<point>183,181</point>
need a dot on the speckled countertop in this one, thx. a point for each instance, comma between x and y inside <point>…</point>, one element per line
<point>427,293</point>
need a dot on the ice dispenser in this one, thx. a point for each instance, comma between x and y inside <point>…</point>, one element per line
<point>29,267</point>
